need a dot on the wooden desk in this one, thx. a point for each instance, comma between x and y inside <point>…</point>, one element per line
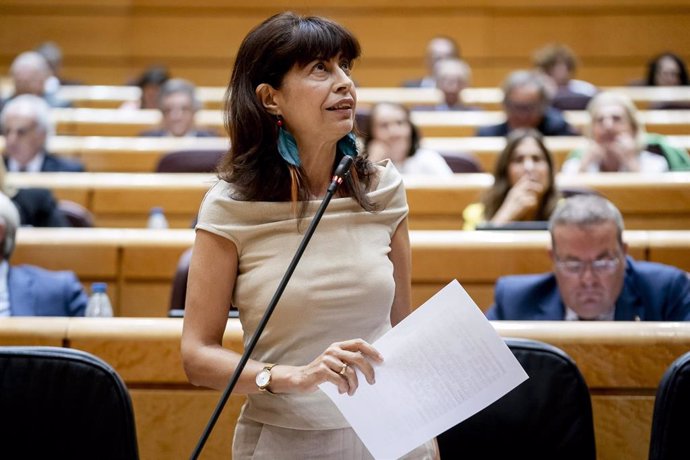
<point>115,122</point>
<point>621,362</point>
<point>141,154</point>
<point>647,201</point>
<point>100,96</point>
<point>139,265</point>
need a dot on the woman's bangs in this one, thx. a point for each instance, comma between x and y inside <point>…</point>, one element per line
<point>315,39</point>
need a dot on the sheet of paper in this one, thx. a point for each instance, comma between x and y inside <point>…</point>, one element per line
<point>442,364</point>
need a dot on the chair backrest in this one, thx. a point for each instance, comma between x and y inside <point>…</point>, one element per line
<point>462,162</point>
<point>671,417</point>
<point>179,285</point>
<point>548,416</point>
<point>190,161</point>
<point>178,296</point>
<point>76,214</point>
<point>63,403</point>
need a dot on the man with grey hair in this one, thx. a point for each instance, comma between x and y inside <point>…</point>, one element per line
<point>178,104</point>
<point>26,125</point>
<point>526,103</point>
<point>593,278</point>
<point>30,71</point>
<point>26,290</point>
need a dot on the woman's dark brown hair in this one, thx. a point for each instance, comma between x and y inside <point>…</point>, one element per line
<point>496,195</point>
<point>268,52</point>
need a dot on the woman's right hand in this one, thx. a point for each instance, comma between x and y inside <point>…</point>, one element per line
<point>522,200</point>
<point>328,367</point>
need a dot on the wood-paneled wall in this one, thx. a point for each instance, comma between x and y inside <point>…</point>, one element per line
<point>110,41</point>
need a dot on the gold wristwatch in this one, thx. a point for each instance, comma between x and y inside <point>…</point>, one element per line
<point>263,378</point>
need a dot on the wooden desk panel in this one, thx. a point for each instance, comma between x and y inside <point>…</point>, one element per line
<point>100,96</point>
<point>140,264</point>
<point>141,154</point>
<point>622,363</point>
<point>114,122</point>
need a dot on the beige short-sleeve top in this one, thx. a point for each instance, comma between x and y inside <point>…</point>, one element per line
<point>342,288</point>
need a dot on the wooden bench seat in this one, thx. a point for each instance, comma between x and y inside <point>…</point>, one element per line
<point>622,364</point>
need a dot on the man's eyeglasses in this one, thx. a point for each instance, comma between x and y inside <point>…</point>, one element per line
<point>603,266</point>
<point>20,132</point>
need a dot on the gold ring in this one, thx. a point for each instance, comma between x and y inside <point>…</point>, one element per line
<point>342,371</point>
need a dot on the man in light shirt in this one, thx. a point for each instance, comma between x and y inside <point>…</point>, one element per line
<point>593,278</point>
<point>26,290</point>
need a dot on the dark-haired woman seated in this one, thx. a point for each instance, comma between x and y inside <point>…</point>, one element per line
<point>523,188</point>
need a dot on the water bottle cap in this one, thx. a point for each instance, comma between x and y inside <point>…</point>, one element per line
<point>156,210</point>
<point>99,287</point>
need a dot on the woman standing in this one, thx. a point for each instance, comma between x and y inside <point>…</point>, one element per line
<point>290,114</point>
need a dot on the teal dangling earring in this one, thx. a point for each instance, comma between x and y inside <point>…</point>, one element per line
<point>287,145</point>
<point>348,145</point>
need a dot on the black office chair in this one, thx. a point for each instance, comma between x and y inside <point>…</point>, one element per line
<point>670,421</point>
<point>549,416</point>
<point>190,161</point>
<point>462,162</point>
<point>178,296</point>
<point>76,214</point>
<point>63,403</point>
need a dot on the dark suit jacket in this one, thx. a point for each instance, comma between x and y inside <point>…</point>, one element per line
<point>553,124</point>
<point>54,163</point>
<point>38,208</point>
<point>38,292</point>
<point>651,291</point>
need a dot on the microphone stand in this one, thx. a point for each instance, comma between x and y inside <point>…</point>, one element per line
<point>339,175</point>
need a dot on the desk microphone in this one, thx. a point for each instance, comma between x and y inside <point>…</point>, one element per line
<point>341,172</point>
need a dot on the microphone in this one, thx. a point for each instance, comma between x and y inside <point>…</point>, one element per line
<point>339,175</point>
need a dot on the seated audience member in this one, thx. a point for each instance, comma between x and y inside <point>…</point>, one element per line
<point>149,82</point>
<point>36,206</point>
<point>178,104</point>
<point>26,290</point>
<point>618,142</point>
<point>52,53</point>
<point>25,122</point>
<point>526,102</point>
<point>559,64</point>
<point>439,47</point>
<point>391,134</point>
<point>452,76</point>
<point>593,278</point>
<point>667,69</point>
<point>524,186</point>
<point>30,73</point>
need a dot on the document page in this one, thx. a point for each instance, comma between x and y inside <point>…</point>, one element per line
<point>442,364</point>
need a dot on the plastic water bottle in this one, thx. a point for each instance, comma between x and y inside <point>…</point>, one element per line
<point>99,303</point>
<point>157,218</point>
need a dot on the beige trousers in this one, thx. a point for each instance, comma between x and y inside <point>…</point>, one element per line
<point>257,441</point>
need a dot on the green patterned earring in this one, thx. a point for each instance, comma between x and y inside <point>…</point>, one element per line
<point>287,145</point>
<point>348,145</point>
